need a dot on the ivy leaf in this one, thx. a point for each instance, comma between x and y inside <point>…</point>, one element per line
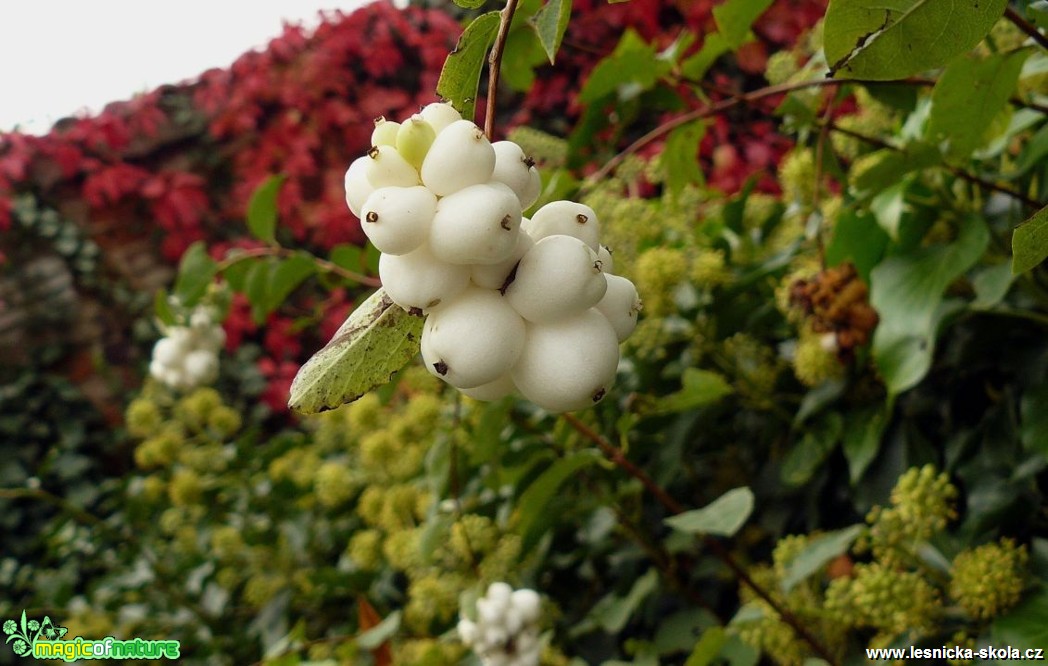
<point>377,339</point>
<point>550,24</point>
<point>460,77</point>
<point>818,552</point>
<point>954,119</point>
<point>907,291</point>
<point>680,158</point>
<point>723,517</point>
<point>735,17</point>
<point>262,209</point>
<point>1030,242</point>
<point>1024,626</point>
<point>872,39</point>
<point>195,272</point>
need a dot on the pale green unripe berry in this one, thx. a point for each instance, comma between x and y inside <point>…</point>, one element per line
<point>358,187</point>
<point>397,219</point>
<point>386,168</point>
<point>516,170</point>
<point>621,305</point>
<point>568,364</point>
<point>557,278</point>
<point>472,339</point>
<point>414,140</point>
<point>567,218</point>
<point>494,390</point>
<point>460,156</point>
<point>385,132</point>
<point>418,280</point>
<point>439,115</point>
<point>607,262</point>
<point>493,276</point>
<point>476,225</point>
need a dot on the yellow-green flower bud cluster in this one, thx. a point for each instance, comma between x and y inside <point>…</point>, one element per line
<point>989,579</point>
<point>815,358</point>
<point>892,601</point>
<point>922,504</point>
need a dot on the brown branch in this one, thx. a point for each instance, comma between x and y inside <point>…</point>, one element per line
<point>615,454</point>
<point>495,64</point>
<point>1026,27</point>
<point>283,252</point>
<point>956,171</point>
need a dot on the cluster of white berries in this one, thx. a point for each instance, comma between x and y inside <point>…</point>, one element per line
<point>187,356</point>
<point>512,304</point>
<point>506,631</point>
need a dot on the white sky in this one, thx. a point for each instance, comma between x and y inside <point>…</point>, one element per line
<point>58,57</point>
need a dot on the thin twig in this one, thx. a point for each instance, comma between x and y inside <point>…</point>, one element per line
<point>957,171</point>
<point>495,64</point>
<point>820,151</point>
<point>283,252</point>
<point>615,454</point>
<point>1027,27</point>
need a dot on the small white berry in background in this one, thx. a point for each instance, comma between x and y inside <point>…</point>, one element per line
<point>505,631</point>
<point>187,356</point>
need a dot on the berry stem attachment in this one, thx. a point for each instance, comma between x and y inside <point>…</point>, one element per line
<point>615,454</point>
<point>495,64</point>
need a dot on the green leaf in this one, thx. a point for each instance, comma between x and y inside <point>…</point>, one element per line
<point>723,517</point>
<point>195,272</point>
<point>699,388</point>
<point>907,291</point>
<point>991,285</point>
<point>460,77</point>
<point>708,647</point>
<point>470,4</point>
<point>612,613</point>
<point>162,308</point>
<point>285,277</point>
<point>856,238</point>
<point>805,458</point>
<point>714,46</point>
<point>630,70</point>
<point>1033,411</point>
<point>817,553</point>
<point>1034,152</point>
<point>893,39</point>
<point>967,97</point>
<point>886,167</point>
<point>380,633</point>
<point>533,501</point>
<point>377,339</point>
<point>550,23</point>
<point>1024,626</point>
<point>1030,242</point>
<point>262,209</point>
<point>734,18</point>
<point>680,157</point>
<point>863,430</point>
<point>348,257</point>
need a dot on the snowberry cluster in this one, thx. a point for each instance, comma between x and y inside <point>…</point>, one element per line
<point>506,631</point>
<point>187,356</point>
<point>512,304</point>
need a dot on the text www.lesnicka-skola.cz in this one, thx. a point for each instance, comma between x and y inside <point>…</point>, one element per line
<point>956,652</point>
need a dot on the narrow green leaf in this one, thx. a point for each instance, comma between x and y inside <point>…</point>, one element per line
<point>723,517</point>
<point>380,633</point>
<point>612,613</point>
<point>1033,413</point>
<point>862,439</point>
<point>533,501</point>
<point>195,272</point>
<point>377,339</point>
<point>256,287</point>
<point>262,209</point>
<point>878,40</point>
<point>550,24</point>
<point>734,18</point>
<point>958,122</point>
<point>286,276</point>
<point>708,647</point>
<point>714,46</point>
<point>460,77</point>
<point>817,553</point>
<point>808,455</point>
<point>470,4</point>
<point>348,257</point>
<point>907,291</point>
<point>886,167</point>
<point>991,285</point>
<point>680,157</point>
<point>699,388</point>
<point>859,239</point>
<point>162,308</point>
<point>1034,152</point>
<point>1030,242</point>
<point>630,70</point>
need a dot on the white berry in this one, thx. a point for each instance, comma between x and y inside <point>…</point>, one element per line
<point>386,168</point>
<point>358,187</point>
<point>397,219</point>
<point>558,277</point>
<point>460,156</point>
<point>385,132</point>
<point>476,225</point>
<point>513,168</point>
<point>418,280</point>
<point>568,364</point>
<point>493,276</point>
<point>568,218</point>
<point>621,305</point>
<point>440,115</point>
